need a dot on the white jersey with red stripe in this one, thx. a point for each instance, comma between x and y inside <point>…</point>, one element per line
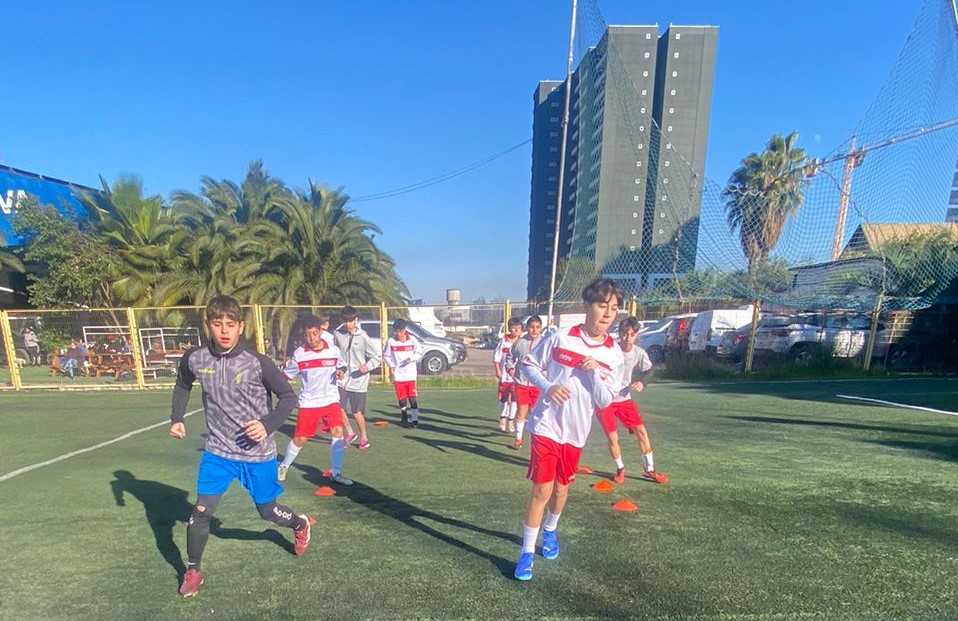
<point>317,370</point>
<point>554,362</point>
<point>397,352</point>
<point>503,359</point>
<point>635,358</point>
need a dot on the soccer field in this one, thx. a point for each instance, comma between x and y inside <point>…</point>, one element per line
<point>786,501</point>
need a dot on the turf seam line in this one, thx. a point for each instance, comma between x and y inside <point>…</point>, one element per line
<point>898,405</point>
<point>60,458</point>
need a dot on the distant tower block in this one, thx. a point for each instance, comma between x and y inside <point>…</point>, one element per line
<point>452,297</point>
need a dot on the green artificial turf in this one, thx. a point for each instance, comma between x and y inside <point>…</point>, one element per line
<point>785,502</point>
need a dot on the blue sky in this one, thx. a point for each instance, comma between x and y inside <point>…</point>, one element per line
<point>377,95</point>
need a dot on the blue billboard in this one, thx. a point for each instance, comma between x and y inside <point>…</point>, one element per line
<point>17,184</point>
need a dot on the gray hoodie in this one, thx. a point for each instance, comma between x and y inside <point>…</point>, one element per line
<point>358,349</point>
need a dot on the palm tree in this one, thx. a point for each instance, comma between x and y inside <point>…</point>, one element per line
<point>141,231</point>
<point>763,193</point>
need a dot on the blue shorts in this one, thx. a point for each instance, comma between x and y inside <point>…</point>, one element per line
<point>259,478</point>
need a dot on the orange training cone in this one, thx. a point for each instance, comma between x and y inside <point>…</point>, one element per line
<point>381,423</point>
<point>312,520</point>
<point>583,470</point>
<point>603,486</point>
<point>625,505</point>
<point>325,491</point>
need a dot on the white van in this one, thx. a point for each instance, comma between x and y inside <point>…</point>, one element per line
<point>425,316</point>
<point>709,326</point>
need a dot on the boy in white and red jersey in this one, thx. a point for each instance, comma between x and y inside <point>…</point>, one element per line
<point>526,393</point>
<point>636,373</point>
<point>578,371</point>
<point>319,365</point>
<point>401,354</point>
<point>505,370</point>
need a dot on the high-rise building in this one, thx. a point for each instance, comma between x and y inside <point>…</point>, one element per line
<point>635,157</point>
<point>952,214</point>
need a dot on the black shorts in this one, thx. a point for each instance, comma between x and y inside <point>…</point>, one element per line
<point>352,402</point>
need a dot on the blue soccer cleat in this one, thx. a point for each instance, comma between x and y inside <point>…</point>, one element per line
<point>550,544</point>
<point>524,566</point>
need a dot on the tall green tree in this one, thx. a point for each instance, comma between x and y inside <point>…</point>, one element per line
<point>763,193</point>
<point>9,260</point>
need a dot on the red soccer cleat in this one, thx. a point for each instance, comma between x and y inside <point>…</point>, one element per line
<point>619,475</point>
<point>192,581</point>
<point>655,477</point>
<point>302,537</point>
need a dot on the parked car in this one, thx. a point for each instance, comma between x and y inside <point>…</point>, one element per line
<point>654,338</point>
<point>709,326</point>
<point>440,353</point>
<point>808,335</point>
<point>734,343</point>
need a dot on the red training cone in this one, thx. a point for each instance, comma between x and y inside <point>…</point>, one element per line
<point>625,505</point>
<point>603,486</point>
<point>381,423</point>
<point>325,491</point>
<point>583,470</point>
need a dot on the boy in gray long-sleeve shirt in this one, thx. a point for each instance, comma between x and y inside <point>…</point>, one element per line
<point>362,356</point>
<point>237,383</point>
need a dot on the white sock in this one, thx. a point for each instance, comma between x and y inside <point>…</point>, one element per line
<point>291,452</point>
<point>552,521</point>
<point>336,449</point>
<point>529,536</point>
<point>513,406</point>
<point>648,462</point>
<point>520,427</point>
<point>505,411</point>
<point>415,415</point>
<point>619,463</point>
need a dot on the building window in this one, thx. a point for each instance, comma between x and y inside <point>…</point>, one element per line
<point>633,231</point>
<point>668,145</point>
<point>672,92</point>
<point>635,214</point>
<point>552,164</point>
<point>641,128</point>
<point>645,92</point>
<point>675,74</point>
<point>552,178</point>
<point>639,146</point>
<point>635,199</point>
<point>553,192</point>
<point>553,134</point>
<point>669,128</point>
<point>648,35</point>
<point>646,54</point>
<point>645,74</point>
<point>671,110</point>
<point>554,119</point>
<point>676,55</point>
<point>631,247</point>
<point>667,163</point>
<point>638,164</point>
<point>661,232</point>
<point>678,35</point>
<point>555,104</point>
<point>662,215</point>
<point>642,110</point>
<point>553,149</point>
<point>638,181</point>
<point>665,181</point>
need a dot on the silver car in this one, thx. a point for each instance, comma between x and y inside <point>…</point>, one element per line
<point>803,337</point>
<point>439,353</point>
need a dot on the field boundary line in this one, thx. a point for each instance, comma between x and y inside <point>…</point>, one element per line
<point>898,405</point>
<point>88,449</point>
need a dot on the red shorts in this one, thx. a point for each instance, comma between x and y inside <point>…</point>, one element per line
<point>507,391</point>
<point>551,461</point>
<point>404,390</point>
<point>526,395</point>
<point>625,411</point>
<point>309,418</point>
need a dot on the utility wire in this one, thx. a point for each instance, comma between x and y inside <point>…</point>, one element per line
<point>406,189</point>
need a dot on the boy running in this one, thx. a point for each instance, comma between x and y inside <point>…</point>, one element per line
<point>578,371</point>
<point>401,355</point>
<point>319,364</point>
<point>636,373</point>
<point>526,393</point>
<point>362,356</point>
<point>237,383</point>
<point>505,369</point>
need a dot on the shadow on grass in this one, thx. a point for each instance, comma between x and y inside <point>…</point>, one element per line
<point>416,518</point>
<point>165,506</point>
<point>946,448</point>
<point>479,450</point>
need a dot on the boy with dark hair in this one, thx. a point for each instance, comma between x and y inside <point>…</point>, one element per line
<point>578,370</point>
<point>362,356</point>
<point>636,372</point>
<point>237,383</point>
<point>526,393</point>
<point>319,364</point>
<point>505,370</point>
<point>401,355</point>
